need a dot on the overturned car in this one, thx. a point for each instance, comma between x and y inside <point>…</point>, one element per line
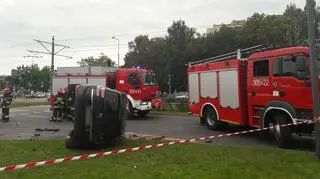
<point>100,117</point>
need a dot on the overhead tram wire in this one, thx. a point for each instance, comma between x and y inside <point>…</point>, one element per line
<point>96,37</point>
<point>124,34</point>
<point>109,36</point>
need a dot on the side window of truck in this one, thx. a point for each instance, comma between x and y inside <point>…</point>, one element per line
<point>133,79</point>
<point>261,68</point>
<point>292,66</point>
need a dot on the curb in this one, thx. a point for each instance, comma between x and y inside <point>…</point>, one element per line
<point>170,113</point>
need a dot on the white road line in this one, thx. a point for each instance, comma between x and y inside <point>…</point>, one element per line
<point>39,106</point>
<point>22,114</point>
<point>36,112</point>
<point>33,116</point>
<point>19,110</point>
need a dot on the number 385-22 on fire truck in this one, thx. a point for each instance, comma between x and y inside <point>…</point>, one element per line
<point>263,89</point>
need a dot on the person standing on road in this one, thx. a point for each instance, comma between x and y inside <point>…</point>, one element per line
<point>5,104</point>
<point>58,106</point>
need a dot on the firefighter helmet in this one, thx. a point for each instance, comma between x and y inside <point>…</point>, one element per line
<point>6,90</point>
<point>60,91</point>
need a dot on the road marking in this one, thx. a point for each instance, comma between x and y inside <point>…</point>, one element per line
<point>41,117</point>
<point>36,112</point>
<point>19,110</point>
<point>22,114</point>
<point>39,106</point>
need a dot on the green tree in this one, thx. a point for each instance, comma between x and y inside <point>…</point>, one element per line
<point>139,51</point>
<point>30,78</point>
<point>182,44</point>
<point>103,60</point>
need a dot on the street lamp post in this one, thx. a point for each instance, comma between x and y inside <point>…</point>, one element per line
<point>118,50</point>
<point>314,72</point>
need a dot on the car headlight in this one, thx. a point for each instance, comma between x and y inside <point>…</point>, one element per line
<point>143,103</point>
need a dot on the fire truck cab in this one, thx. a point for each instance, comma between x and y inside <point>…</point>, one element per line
<point>140,86</point>
<point>265,89</point>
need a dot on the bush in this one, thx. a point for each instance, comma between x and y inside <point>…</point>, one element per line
<point>177,105</point>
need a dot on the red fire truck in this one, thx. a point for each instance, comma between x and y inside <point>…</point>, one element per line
<point>267,87</point>
<point>138,83</point>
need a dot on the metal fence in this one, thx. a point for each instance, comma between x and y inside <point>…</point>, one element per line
<point>174,104</point>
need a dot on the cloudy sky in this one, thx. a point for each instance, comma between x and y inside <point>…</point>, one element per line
<point>87,26</point>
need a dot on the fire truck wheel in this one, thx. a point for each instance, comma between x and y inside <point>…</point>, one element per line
<point>203,120</point>
<point>282,135</point>
<point>211,120</point>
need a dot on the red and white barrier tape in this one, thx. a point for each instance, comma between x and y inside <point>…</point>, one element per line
<point>114,152</point>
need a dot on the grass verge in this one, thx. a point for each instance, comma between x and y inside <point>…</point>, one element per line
<point>178,161</point>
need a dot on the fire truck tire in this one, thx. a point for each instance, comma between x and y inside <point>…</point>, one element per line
<point>282,135</point>
<point>211,120</point>
<point>203,121</point>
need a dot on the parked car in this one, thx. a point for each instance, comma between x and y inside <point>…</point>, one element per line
<point>182,95</point>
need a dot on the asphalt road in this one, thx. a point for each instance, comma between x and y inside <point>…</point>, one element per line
<point>30,100</point>
<point>24,121</point>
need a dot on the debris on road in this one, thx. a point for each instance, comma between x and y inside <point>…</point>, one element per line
<point>134,136</point>
<point>2,133</point>
<point>47,130</point>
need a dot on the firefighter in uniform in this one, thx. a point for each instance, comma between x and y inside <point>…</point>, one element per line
<point>70,101</point>
<point>58,106</point>
<point>5,104</point>
<point>69,104</point>
<point>66,104</point>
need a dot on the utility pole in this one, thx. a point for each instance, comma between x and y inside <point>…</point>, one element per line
<point>52,67</point>
<point>118,50</point>
<point>314,72</point>
<point>53,53</point>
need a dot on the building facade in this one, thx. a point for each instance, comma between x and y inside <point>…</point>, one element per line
<point>234,24</point>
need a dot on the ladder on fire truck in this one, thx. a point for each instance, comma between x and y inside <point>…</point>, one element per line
<point>235,54</point>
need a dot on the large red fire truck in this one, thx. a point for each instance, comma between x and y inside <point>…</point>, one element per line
<point>266,88</point>
<point>138,83</point>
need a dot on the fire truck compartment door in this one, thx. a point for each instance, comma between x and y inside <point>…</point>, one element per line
<point>229,88</point>
<point>194,88</point>
<point>208,82</point>
<point>97,81</point>
<point>78,80</point>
